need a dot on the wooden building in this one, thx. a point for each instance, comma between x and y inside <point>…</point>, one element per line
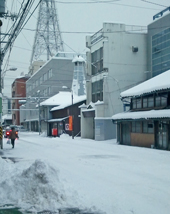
<point>147,122</point>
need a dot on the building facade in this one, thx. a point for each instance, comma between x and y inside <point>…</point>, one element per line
<point>116,60</point>
<point>159,43</point>
<point>147,123</point>
<point>66,103</point>
<point>43,84</point>
<point>18,92</point>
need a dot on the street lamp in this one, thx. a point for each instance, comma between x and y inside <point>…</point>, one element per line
<point>3,75</point>
<point>65,87</point>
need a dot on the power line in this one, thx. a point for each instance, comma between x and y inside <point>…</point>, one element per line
<point>153,3</point>
<point>87,2</point>
<point>110,2</point>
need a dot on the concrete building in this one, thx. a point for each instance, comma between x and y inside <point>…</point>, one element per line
<point>116,60</point>
<point>35,66</point>
<point>159,43</point>
<point>43,84</point>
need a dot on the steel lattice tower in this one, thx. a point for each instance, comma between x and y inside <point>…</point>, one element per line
<point>48,40</point>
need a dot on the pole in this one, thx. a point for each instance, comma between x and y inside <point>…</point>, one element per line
<point>72,114</point>
<point>39,122</point>
<point>1,59</point>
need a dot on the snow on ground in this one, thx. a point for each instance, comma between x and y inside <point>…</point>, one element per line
<point>50,173</point>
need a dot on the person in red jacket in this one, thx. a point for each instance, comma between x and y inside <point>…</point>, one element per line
<point>12,136</point>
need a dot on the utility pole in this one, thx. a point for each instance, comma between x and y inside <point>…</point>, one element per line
<point>72,114</point>
<point>39,116</point>
<point>1,59</point>
<point>12,35</point>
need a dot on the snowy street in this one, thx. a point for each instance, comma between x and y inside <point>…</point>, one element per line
<point>43,173</point>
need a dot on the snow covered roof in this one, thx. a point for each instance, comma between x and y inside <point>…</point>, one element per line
<point>78,59</point>
<point>62,100</point>
<point>7,117</point>
<point>56,99</point>
<point>165,113</point>
<point>57,120</point>
<point>158,83</point>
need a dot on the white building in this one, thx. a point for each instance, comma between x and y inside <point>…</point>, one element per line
<point>116,61</point>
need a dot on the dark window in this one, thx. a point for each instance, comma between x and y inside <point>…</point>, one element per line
<point>138,104</point>
<point>97,91</point>
<point>161,100</point>
<point>145,102</point>
<point>157,101</point>
<point>136,127</point>
<point>148,127</point>
<point>97,61</point>
<point>150,102</point>
<point>134,103</point>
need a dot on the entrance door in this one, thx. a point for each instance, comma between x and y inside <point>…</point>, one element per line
<point>126,134</point>
<point>162,135</point>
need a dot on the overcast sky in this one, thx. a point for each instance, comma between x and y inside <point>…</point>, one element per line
<point>77,19</point>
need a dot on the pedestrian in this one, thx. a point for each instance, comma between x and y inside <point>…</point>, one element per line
<point>12,136</point>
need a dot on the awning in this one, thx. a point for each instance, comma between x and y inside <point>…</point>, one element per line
<point>57,119</point>
<point>145,115</point>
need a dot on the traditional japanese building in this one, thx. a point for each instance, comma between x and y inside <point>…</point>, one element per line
<point>147,123</point>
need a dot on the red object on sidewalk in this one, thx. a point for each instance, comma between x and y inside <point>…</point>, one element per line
<point>54,132</point>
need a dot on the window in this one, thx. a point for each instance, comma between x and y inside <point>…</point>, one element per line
<point>145,102</point>
<point>45,76</point>
<point>157,101</point>
<point>45,92</point>
<point>97,61</point>
<point>136,103</point>
<point>97,91</point>
<point>161,100</point>
<point>49,90</point>
<point>50,73</point>
<point>148,127</point>
<point>150,102</point>
<point>133,103</point>
<point>160,51</point>
<point>41,79</point>
<point>36,83</point>
<point>136,127</point>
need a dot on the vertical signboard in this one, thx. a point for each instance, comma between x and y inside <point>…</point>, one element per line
<point>70,123</point>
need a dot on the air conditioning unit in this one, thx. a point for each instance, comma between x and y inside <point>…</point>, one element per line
<point>134,49</point>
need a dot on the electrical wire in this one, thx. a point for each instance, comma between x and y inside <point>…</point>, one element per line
<point>153,3</point>
<point>86,2</point>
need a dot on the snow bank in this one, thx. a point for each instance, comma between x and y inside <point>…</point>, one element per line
<point>36,188</point>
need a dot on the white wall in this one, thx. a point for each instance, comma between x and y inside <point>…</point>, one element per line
<point>125,68</point>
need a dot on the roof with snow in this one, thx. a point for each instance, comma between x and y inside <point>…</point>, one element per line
<point>78,59</point>
<point>155,84</point>
<point>165,113</point>
<point>62,100</point>
<point>7,117</point>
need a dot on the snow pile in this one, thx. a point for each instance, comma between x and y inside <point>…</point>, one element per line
<point>43,134</point>
<point>37,187</point>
